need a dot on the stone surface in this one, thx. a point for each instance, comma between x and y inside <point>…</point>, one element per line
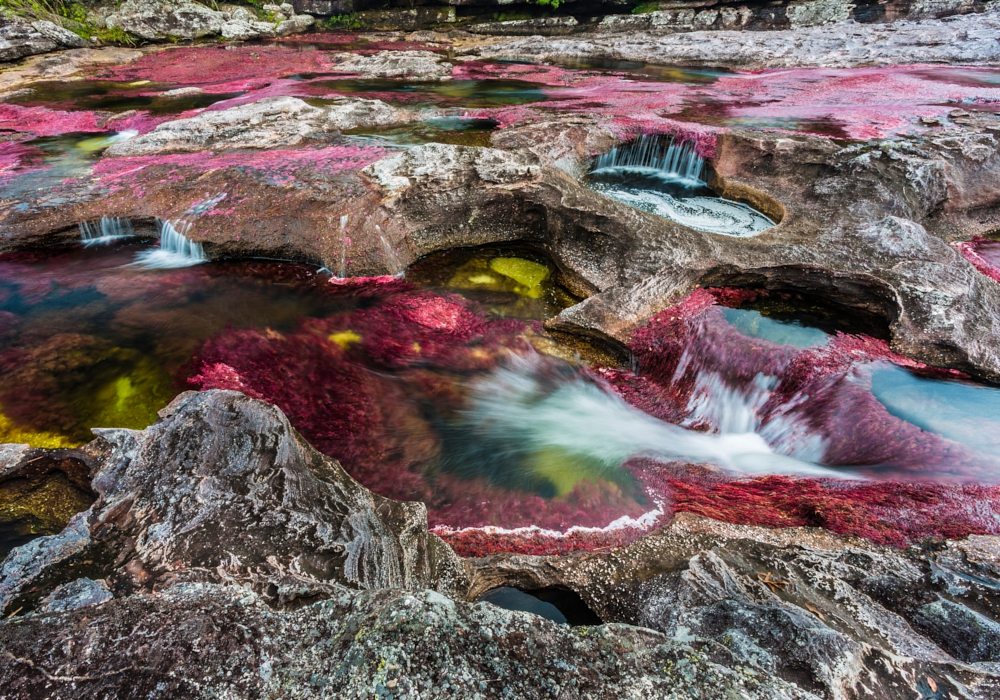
<point>19,38</point>
<point>544,26</point>
<point>968,39</point>
<point>154,20</point>
<point>832,617</point>
<point>276,122</point>
<point>223,489</point>
<point>203,640</point>
<point>424,65</point>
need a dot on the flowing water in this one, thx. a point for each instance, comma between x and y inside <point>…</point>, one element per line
<point>666,180</point>
<point>425,395</point>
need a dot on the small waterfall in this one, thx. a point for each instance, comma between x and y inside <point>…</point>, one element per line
<point>392,261</point>
<point>537,418</point>
<point>677,161</point>
<point>108,229</point>
<point>344,242</point>
<point>175,249</point>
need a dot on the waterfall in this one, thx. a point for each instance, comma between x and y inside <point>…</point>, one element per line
<point>175,249</point>
<point>392,261</point>
<point>108,229</point>
<point>344,242</point>
<point>535,418</point>
<point>678,161</point>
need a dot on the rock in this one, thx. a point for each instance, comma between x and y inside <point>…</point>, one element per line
<point>545,26</point>
<point>244,30</point>
<point>224,489</point>
<point>803,606</point>
<point>274,122</point>
<point>405,19</point>
<point>76,594</point>
<point>19,38</point>
<point>185,19</point>
<point>965,39</point>
<point>196,639</point>
<point>816,13</point>
<point>164,19</point>
<point>294,25</point>
<point>422,65</point>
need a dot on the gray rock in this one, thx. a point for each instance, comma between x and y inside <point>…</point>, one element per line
<point>166,19</point>
<point>423,65</point>
<point>19,39</point>
<point>275,122</point>
<point>224,489</point>
<point>968,39</point>
<point>545,26</point>
<point>77,594</point>
<point>201,640</point>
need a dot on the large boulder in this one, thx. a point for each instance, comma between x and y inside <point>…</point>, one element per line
<point>19,38</point>
<point>223,489</point>
<point>165,19</point>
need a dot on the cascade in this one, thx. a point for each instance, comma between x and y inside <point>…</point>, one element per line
<point>666,180</point>
<point>108,229</point>
<point>175,249</point>
<point>344,242</point>
<point>678,161</point>
<point>392,262</point>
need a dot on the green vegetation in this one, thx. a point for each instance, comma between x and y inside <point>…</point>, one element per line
<point>68,15</point>
<point>645,8</point>
<point>350,22</point>
<point>554,4</point>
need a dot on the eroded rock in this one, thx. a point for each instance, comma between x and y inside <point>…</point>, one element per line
<point>19,38</point>
<point>235,495</point>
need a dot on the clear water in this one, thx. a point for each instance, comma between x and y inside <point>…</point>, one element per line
<point>513,599</point>
<point>111,96</point>
<point>447,93</point>
<point>665,178</point>
<point>459,131</point>
<point>961,411</point>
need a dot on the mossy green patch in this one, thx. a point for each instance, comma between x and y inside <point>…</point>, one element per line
<point>128,400</point>
<point>526,273</point>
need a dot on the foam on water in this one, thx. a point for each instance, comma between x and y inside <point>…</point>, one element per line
<point>549,419</point>
<point>709,214</point>
<point>175,249</point>
<point>107,230</point>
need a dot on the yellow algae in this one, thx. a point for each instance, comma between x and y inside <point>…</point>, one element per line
<point>138,83</point>
<point>527,273</point>
<point>344,338</point>
<point>130,400</point>
<point>416,347</point>
<point>562,470</point>
<point>36,438</point>
<point>484,280</point>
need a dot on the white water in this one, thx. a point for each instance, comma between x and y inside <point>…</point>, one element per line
<point>175,249</point>
<point>107,230</point>
<point>344,242</point>
<point>668,182</point>
<point>646,154</point>
<point>392,262</point>
<point>537,410</point>
<point>709,214</point>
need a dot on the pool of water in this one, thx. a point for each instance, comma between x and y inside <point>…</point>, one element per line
<point>446,93</point>
<point>112,96</point>
<point>454,130</point>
